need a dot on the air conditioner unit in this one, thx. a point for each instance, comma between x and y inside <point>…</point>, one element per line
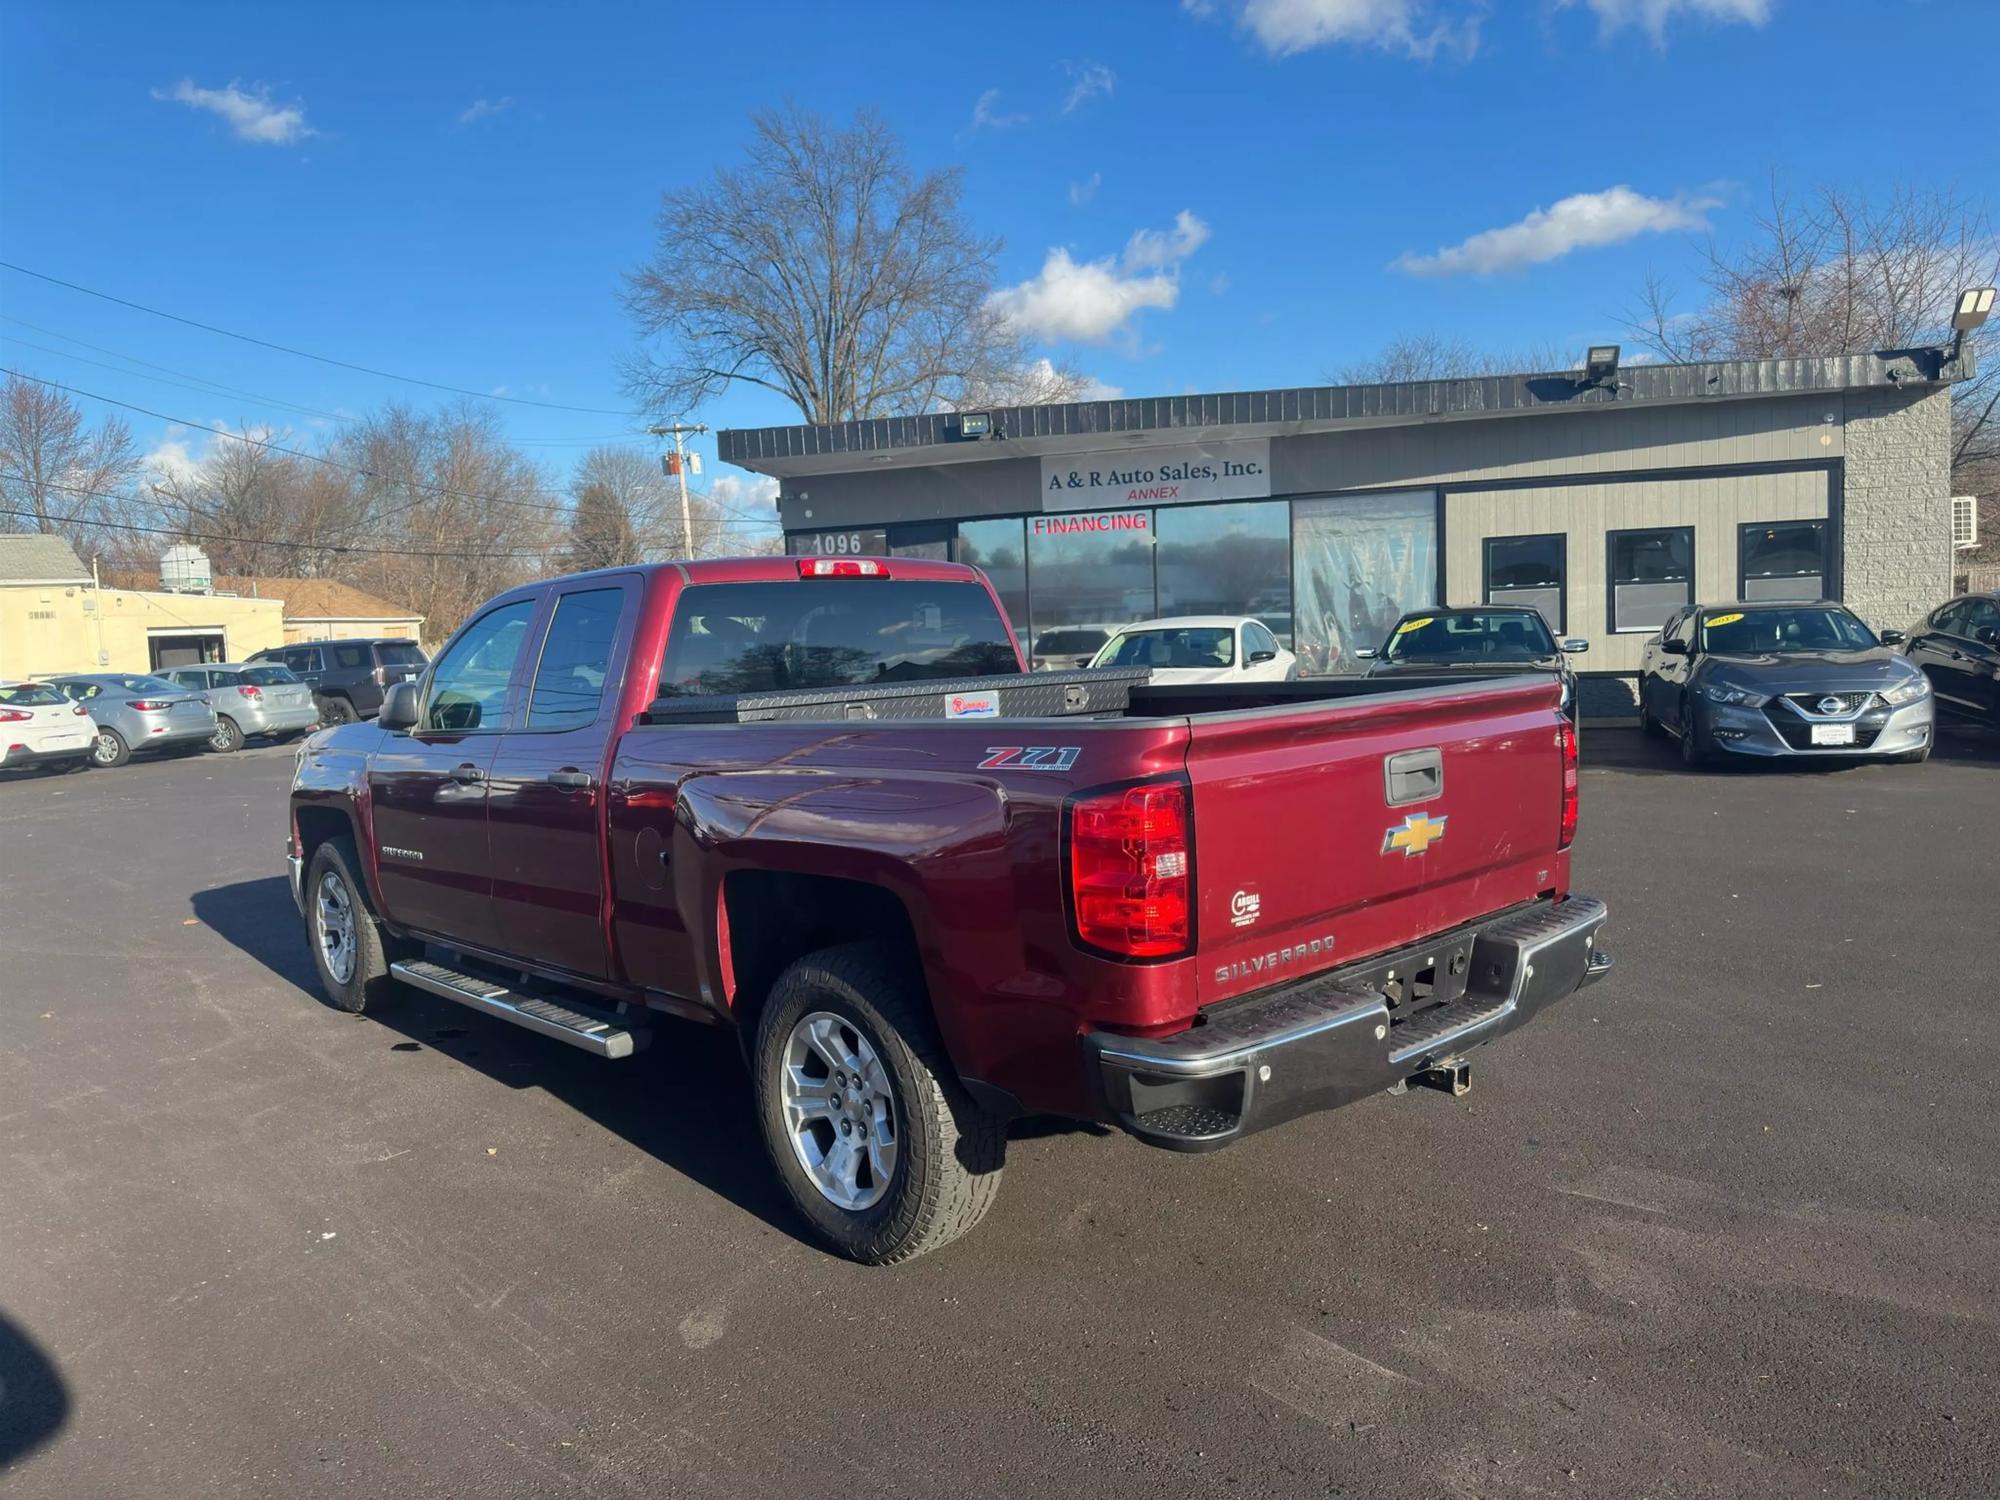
<point>1964,522</point>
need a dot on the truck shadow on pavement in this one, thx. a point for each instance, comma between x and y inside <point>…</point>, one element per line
<point>34,1402</point>
<point>684,1101</point>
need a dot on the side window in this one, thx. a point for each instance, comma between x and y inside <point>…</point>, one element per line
<point>1977,615</point>
<point>1256,638</point>
<point>1684,629</point>
<point>576,660</point>
<point>303,659</point>
<point>469,684</point>
<point>1652,575</point>
<point>351,658</point>
<point>1947,619</point>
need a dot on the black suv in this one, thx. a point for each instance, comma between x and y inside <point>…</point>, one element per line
<point>349,678</point>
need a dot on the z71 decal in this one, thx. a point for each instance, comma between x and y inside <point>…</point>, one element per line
<point>1030,757</point>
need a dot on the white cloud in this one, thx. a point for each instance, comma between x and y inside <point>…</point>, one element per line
<point>1652,16</point>
<point>1099,390</point>
<point>1086,81</point>
<point>484,109</point>
<point>1092,300</point>
<point>1578,222</point>
<point>171,457</point>
<point>1082,192</point>
<point>251,114</point>
<point>181,450</point>
<point>987,114</point>
<point>1285,27</point>
<point>751,495</point>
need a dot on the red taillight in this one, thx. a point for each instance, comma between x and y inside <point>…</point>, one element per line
<point>380,679</point>
<point>841,567</point>
<point>14,716</point>
<point>80,711</point>
<point>149,705</point>
<point>1566,732</point>
<point>255,693</point>
<point>1130,874</point>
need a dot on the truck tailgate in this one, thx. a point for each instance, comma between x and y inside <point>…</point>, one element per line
<point>1305,856</point>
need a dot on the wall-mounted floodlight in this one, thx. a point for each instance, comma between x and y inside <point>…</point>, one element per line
<point>975,424</point>
<point>1600,365</point>
<point>1974,305</point>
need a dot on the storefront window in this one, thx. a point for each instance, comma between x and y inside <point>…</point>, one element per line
<point>1228,560</point>
<point>1000,548</point>
<point>1652,575</point>
<point>1089,573</point>
<point>1359,562</point>
<point>1782,560</point>
<point>1528,570</point>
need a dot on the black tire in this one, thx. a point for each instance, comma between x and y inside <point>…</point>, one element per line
<point>336,711</point>
<point>949,1151</point>
<point>1647,723</point>
<point>111,749</point>
<point>367,983</point>
<point>1915,757</point>
<point>1692,755</point>
<point>228,737</point>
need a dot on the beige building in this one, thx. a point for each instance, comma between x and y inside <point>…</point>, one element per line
<point>54,618</point>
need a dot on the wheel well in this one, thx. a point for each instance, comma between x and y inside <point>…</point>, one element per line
<point>316,826</point>
<point>776,918</point>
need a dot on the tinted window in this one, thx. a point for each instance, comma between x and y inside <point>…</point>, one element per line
<point>469,687</point>
<point>1528,570</point>
<point>1070,642</point>
<point>269,676</point>
<point>758,637</point>
<point>1735,632</point>
<point>350,657</point>
<point>400,654</point>
<point>1000,549</point>
<point>1092,569</point>
<point>1227,560</point>
<point>1203,647</point>
<point>576,658</point>
<point>81,691</point>
<point>1783,559</point>
<point>191,679</point>
<point>1257,639</point>
<point>1470,637</point>
<point>32,695</point>
<point>1980,614</point>
<point>303,659</point>
<point>1652,575</point>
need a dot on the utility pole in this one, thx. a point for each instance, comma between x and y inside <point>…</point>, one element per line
<point>679,470</point>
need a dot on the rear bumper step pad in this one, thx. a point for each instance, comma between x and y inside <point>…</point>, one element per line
<point>596,1032</point>
<point>1329,1041</point>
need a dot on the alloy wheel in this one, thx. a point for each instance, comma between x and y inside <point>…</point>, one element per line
<point>333,921</point>
<point>840,1110</point>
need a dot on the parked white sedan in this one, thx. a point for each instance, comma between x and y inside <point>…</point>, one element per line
<point>1201,648</point>
<point>40,727</point>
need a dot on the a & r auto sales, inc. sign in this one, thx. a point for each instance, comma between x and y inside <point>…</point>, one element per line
<point>1239,470</point>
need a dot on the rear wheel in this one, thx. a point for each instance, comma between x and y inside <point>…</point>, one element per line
<point>877,1144</point>
<point>349,948</point>
<point>228,738</point>
<point>110,749</point>
<point>336,711</point>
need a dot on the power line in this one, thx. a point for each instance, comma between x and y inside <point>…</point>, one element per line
<point>324,359</point>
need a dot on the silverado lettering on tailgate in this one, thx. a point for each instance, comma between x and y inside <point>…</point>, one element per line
<point>1277,958</point>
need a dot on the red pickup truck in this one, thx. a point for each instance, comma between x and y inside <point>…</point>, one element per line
<point>822,802</point>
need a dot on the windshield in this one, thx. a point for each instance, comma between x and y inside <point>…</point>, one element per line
<point>400,654</point>
<point>31,695</point>
<point>1759,632</point>
<point>267,676</point>
<point>1471,637</point>
<point>1204,647</point>
<point>149,685</point>
<point>1069,643</point>
<point>766,637</point>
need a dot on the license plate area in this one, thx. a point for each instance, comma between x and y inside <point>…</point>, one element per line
<point>1833,734</point>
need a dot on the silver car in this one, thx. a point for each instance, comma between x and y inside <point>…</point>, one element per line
<point>135,712</point>
<point>250,699</point>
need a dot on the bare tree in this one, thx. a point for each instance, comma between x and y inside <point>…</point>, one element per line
<point>1437,356</point>
<point>823,268</point>
<point>1838,273</point>
<point>54,471</point>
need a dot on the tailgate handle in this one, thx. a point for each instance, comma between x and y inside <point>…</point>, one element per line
<point>1413,776</point>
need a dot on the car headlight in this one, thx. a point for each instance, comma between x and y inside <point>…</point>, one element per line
<point>1726,692</point>
<point>1907,692</point>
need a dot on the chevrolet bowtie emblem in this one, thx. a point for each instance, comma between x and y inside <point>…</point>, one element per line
<point>1416,834</point>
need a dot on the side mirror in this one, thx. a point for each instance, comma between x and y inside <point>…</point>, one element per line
<point>1574,645</point>
<point>1257,656</point>
<point>1366,653</point>
<point>1893,638</point>
<point>399,708</point>
<point>1673,647</point>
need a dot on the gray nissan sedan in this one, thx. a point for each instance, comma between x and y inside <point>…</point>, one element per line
<point>1783,679</point>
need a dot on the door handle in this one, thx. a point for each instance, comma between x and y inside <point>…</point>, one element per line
<point>580,780</point>
<point>467,773</point>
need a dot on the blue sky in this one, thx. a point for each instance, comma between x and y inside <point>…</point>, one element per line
<point>1194,196</point>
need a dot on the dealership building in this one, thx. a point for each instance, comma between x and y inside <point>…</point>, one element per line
<point>1606,499</point>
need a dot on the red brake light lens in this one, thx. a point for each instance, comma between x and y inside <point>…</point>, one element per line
<point>149,705</point>
<point>251,692</point>
<point>841,567</point>
<point>80,711</point>
<point>1131,871</point>
<point>14,716</point>
<point>1566,732</point>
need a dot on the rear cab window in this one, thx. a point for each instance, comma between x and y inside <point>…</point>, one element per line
<point>770,637</point>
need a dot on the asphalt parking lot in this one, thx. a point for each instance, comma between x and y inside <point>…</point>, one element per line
<point>1727,1224</point>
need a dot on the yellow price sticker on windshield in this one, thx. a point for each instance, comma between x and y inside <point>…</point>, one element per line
<point>1408,625</point>
<point>1723,619</point>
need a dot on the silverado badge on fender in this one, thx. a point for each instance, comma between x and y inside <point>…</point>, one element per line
<point>1414,834</point>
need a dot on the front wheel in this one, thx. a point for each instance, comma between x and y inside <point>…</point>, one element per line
<point>1692,754</point>
<point>228,738</point>
<point>1915,757</point>
<point>350,950</point>
<point>877,1144</point>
